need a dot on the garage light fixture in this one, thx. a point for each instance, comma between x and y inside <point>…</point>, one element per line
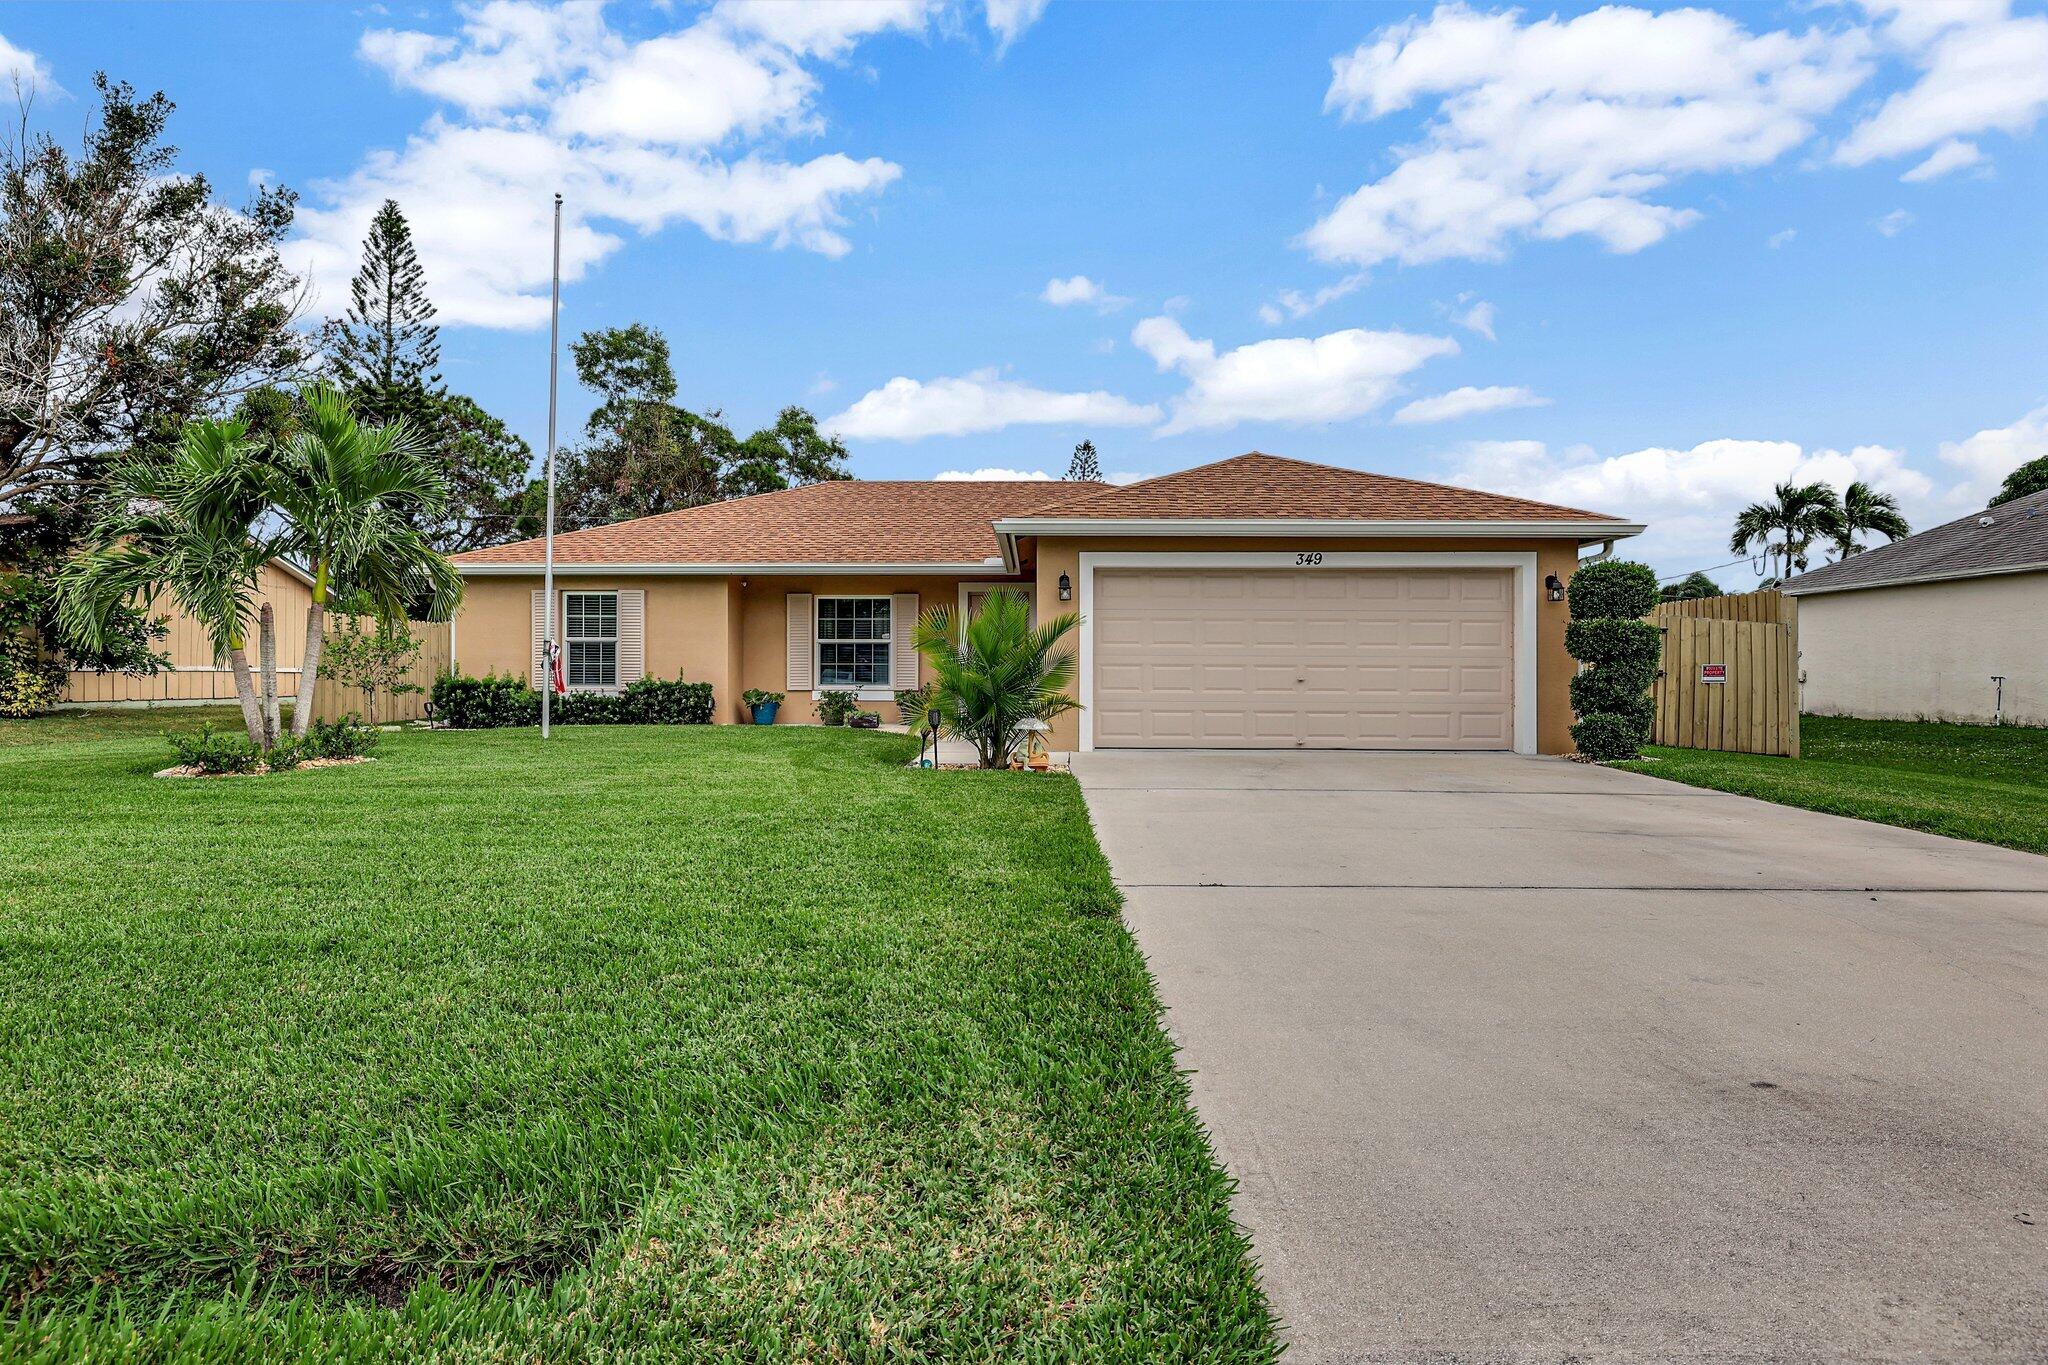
<point>1066,588</point>
<point>1555,587</point>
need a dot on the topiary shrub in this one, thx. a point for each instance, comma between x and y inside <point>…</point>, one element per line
<point>1620,651</point>
<point>1608,738</point>
<point>1614,589</point>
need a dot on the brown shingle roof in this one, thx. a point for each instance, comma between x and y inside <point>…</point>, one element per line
<point>2015,538</point>
<point>1260,485</point>
<point>842,522</point>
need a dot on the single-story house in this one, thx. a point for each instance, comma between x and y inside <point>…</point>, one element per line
<point>1924,626</point>
<point>197,675</point>
<point>1257,602</point>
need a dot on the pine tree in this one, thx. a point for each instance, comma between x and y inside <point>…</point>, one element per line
<point>386,351</point>
<point>1084,465</point>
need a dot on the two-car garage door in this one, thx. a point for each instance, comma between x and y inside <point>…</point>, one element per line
<point>1315,658</point>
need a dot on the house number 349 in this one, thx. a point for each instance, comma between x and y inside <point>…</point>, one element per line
<point>1308,559</point>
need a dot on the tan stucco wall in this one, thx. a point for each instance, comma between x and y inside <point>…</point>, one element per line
<point>1928,649</point>
<point>1554,667</point>
<point>764,621</point>
<point>690,632</point>
<point>731,631</point>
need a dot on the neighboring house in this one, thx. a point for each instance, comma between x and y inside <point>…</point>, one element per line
<point>1255,602</point>
<point>196,674</point>
<point>1921,626</point>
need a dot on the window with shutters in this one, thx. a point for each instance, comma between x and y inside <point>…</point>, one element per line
<point>590,623</point>
<point>853,642</point>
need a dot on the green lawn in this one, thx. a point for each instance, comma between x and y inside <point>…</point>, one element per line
<point>724,1043</point>
<point>1967,781</point>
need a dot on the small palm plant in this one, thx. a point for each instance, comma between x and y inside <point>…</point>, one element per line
<point>1866,509</point>
<point>186,527</point>
<point>998,673</point>
<point>351,496</point>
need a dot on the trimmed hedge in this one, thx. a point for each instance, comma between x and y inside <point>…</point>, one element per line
<point>484,703</point>
<point>1614,589</point>
<point>1620,651</point>
<point>494,701</point>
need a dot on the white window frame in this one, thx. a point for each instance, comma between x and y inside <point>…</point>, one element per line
<point>881,691</point>
<point>612,640</point>
<point>1521,563</point>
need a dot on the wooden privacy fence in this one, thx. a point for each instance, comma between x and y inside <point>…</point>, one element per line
<point>332,700</point>
<point>1729,675</point>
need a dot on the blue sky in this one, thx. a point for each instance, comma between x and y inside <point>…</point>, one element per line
<point>1646,260</point>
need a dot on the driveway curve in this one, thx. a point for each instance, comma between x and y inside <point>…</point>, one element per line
<point>1521,1059</point>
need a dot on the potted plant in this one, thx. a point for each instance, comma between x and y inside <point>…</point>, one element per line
<point>762,705</point>
<point>834,707</point>
<point>865,720</point>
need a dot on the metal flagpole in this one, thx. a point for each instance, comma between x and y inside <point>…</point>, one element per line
<point>550,650</point>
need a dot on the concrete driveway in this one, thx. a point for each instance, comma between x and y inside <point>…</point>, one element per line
<point>1518,1059</point>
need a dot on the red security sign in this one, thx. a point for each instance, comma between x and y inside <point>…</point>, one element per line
<point>1713,673</point>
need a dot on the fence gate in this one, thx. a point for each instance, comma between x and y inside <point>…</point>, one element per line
<point>332,701</point>
<point>1729,675</point>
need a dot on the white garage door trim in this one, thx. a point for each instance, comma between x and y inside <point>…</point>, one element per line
<point>1523,563</point>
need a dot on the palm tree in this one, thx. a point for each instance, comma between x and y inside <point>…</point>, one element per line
<point>1866,509</point>
<point>1797,515</point>
<point>186,527</point>
<point>350,495</point>
<point>998,673</point>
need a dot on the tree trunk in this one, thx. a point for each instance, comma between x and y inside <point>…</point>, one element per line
<point>245,692</point>
<point>267,653</point>
<point>309,666</point>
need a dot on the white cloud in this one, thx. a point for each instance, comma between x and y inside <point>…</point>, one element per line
<point>1982,70</point>
<point>1986,458</point>
<point>1468,402</point>
<point>909,409</point>
<point>1008,19</point>
<point>1292,303</point>
<point>992,475</point>
<point>686,126</point>
<point>1296,380</point>
<point>1475,317</point>
<point>1952,155</point>
<point>24,68</point>
<point>1778,239</point>
<point>1080,289</point>
<point>1563,127</point>
<point>1688,497</point>
<point>1894,223</point>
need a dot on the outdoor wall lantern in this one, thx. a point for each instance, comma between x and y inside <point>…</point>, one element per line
<point>1555,587</point>
<point>1066,588</point>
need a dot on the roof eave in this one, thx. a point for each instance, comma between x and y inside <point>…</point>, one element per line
<point>530,567</point>
<point>1009,528</point>
<point>1793,589</point>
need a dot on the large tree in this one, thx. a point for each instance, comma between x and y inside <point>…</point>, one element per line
<point>1865,509</point>
<point>1691,588</point>
<point>385,352</point>
<point>385,355</point>
<point>1783,530</point>
<point>1085,467</point>
<point>130,302</point>
<point>642,454</point>
<point>2031,477</point>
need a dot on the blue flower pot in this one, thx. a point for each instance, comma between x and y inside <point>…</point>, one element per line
<point>764,712</point>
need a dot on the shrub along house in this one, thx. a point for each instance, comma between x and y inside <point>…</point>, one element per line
<point>1257,602</point>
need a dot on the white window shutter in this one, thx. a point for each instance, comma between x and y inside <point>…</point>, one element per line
<point>902,633</point>
<point>540,629</point>
<point>802,628</point>
<point>632,635</point>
